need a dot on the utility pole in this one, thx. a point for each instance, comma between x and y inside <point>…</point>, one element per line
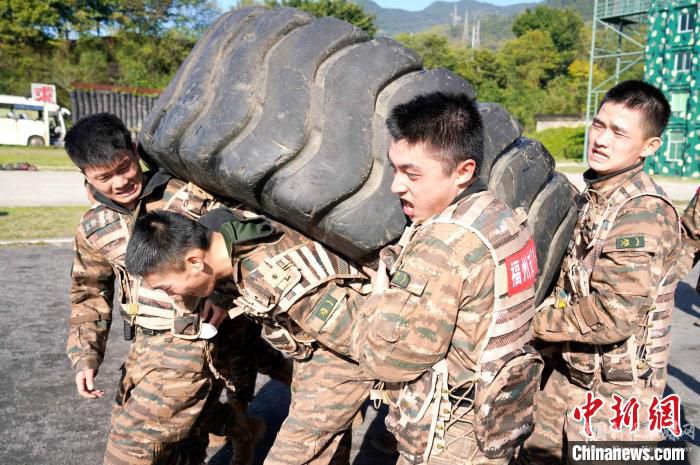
<point>465,31</point>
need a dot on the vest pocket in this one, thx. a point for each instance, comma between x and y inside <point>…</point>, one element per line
<point>504,408</point>
<point>581,362</point>
<point>618,365</point>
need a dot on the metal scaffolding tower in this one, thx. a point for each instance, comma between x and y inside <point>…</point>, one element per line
<point>618,36</point>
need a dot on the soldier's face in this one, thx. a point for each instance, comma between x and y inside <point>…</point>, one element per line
<point>618,139</point>
<point>196,280</point>
<point>121,182</point>
<point>420,181</point>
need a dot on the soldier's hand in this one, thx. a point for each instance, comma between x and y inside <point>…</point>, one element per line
<point>213,314</point>
<point>380,278</point>
<point>85,382</point>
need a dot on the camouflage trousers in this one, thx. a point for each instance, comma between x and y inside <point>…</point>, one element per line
<point>166,405</point>
<point>163,390</point>
<point>327,393</point>
<point>555,425</point>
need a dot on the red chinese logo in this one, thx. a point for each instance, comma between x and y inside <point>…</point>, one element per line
<point>522,268</point>
<point>587,410</point>
<point>43,94</point>
<point>666,414</point>
<point>626,415</point>
<point>663,414</point>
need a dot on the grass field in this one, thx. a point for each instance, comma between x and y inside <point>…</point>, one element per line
<point>39,222</point>
<point>44,158</point>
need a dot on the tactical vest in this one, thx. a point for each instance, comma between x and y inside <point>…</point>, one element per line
<point>302,294</point>
<point>644,355</point>
<point>108,231</point>
<point>500,392</point>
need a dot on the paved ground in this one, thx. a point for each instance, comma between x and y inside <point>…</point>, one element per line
<point>42,419</point>
<point>29,188</point>
<point>44,422</point>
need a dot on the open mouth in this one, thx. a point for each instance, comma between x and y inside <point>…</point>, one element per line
<point>128,191</point>
<point>598,156</point>
<point>408,208</point>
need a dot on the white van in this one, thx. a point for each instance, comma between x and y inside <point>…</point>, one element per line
<point>25,121</point>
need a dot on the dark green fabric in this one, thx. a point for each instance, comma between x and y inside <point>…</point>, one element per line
<point>240,231</point>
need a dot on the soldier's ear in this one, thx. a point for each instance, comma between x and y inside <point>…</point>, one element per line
<point>465,172</point>
<point>194,260</point>
<point>651,146</point>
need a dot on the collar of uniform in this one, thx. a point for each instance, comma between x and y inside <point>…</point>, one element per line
<point>477,186</point>
<point>154,180</point>
<point>608,183</point>
<point>237,231</point>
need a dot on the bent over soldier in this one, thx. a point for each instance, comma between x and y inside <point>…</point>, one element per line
<point>304,295</point>
<point>447,327</point>
<point>164,393</point>
<point>609,318</point>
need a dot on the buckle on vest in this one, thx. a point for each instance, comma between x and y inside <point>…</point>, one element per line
<point>276,275</point>
<point>132,309</point>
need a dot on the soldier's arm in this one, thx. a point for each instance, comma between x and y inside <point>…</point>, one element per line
<point>640,245</point>
<point>406,330</point>
<point>91,293</point>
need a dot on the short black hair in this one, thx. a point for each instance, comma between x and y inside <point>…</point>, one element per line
<point>645,98</point>
<point>160,240</point>
<point>96,140</point>
<point>449,125</point>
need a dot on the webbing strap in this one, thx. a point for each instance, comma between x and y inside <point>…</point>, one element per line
<point>76,320</point>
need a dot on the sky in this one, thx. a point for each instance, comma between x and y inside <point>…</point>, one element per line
<point>411,5</point>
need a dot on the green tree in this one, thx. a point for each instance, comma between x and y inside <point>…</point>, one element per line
<point>563,26</point>
<point>434,49</point>
<point>154,17</point>
<point>531,60</point>
<point>26,23</point>
<point>350,12</point>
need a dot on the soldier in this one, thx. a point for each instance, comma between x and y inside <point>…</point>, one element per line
<point>166,379</point>
<point>609,316</point>
<point>451,320</point>
<point>304,294</point>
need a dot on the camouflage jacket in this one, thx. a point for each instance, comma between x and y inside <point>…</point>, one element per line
<point>302,292</point>
<point>439,305</point>
<point>99,247</point>
<point>456,313</point>
<point>623,276</point>
<point>602,309</point>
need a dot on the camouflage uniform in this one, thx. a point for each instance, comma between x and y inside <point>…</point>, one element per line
<point>610,312</point>
<point>455,321</point>
<point>305,296</point>
<point>165,379</point>
<point>691,238</point>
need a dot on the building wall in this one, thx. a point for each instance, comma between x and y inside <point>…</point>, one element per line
<point>668,48</point>
<point>559,123</point>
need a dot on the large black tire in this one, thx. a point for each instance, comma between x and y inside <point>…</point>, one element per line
<point>286,113</point>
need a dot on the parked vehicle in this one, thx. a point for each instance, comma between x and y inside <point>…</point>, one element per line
<point>25,121</point>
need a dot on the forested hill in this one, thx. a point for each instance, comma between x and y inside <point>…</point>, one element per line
<point>495,20</point>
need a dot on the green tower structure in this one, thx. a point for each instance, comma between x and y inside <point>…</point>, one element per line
<point>671,64</point>
<point>664,35</point>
